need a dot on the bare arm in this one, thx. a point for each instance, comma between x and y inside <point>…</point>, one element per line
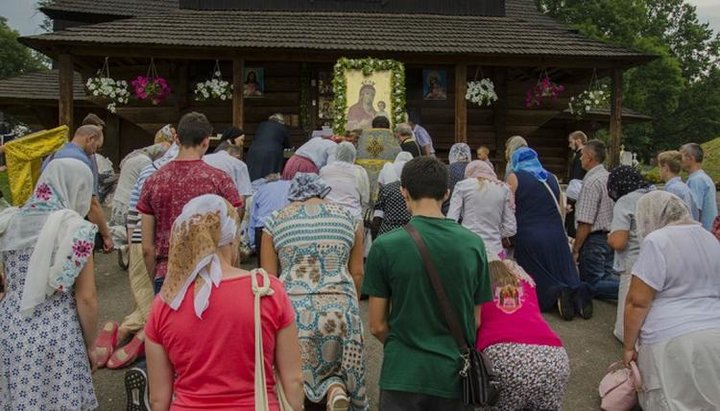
<point>268,256</point>
<point>97,217</point>
<point>618,239</point>
<point>148,243</point>
<point>378,313</point>
<point>583,231</point>
<point>86,300</point>
<point>289,365</point>
<point>512,182</point>
<point>637,305</point>
<point>160,376</point>
<point>478,316</point>
<point>357,255</point>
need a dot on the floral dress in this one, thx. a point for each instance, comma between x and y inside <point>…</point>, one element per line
<point>313,243</point>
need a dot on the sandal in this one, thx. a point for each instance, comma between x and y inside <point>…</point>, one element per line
<point>106,340</point>
<point>127,354</point>
<point>338,400</point>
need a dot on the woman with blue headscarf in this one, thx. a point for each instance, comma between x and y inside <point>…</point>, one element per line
<point>541,245</point>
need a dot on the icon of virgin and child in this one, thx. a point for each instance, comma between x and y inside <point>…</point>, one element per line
<point>361,114</point>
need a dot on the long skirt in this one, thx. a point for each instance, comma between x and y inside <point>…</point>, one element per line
<point>681,374</point>
<point>620,314</point>
<point>298,164</point>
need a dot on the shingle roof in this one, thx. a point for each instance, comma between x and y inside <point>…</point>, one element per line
<point>126,8</point>
<point>38,86</point>
<point>417,33</point>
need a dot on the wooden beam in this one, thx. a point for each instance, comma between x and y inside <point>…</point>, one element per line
<point>111,148</point>
<point>460,103</point>
<point>238,102</point>
<point>65,103</point>
<point>500,112</point>
<point>615,118</point>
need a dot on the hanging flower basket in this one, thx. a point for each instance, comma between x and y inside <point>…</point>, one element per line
<point>481,92</point>
<point>151,87</point>
<point>545,88</point>
<point>102,86</point>
<point>596,96</point>
<point>215,88</point>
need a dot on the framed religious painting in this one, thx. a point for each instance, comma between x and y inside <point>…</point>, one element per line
<point>325,108</point>
<point>435,84</point>
<point>324,83</point>
<point>254,82</point>
<point>365,89</point>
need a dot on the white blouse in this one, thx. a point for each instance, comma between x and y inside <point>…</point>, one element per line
<point>486,209</point>
<point>350,186</point>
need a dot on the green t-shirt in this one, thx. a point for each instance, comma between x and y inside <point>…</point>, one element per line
<point>420,355</point>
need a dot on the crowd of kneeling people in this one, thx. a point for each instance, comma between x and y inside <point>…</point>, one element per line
<point>506,250</point>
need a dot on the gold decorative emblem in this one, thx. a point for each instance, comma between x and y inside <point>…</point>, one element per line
<point>375,148</point>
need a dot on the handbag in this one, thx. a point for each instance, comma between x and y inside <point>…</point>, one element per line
<point>479,383</point>
<point>261,397</point>
<point>619,388</point>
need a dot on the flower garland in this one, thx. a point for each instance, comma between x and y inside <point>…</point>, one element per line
<point>368,66</point>
<point>214,88</point>
<point>544,88</point>
<point>104,86</point>
<point>151,86</point>
<point>596,96</point>
<point>481,92</point>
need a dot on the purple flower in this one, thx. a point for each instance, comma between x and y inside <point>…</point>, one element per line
<point>43,192</point>
<point>82,248</point>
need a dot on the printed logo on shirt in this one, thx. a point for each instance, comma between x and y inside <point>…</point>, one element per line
<point>508,298</point>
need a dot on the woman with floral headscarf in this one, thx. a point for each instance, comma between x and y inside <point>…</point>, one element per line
<point>485,205</point>
<point>672,310</point>
<point>200,336</point>
<point>49,312</point>
<point>458,158</point>
<point>625,187</point>
<point>540,245</point>
<point>316,247</point>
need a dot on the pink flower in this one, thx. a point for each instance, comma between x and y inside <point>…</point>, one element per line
<point>82,249</point>
<point>43,192</point>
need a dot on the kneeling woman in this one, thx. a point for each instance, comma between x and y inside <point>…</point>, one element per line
<point>201,331</point>
<point>527,356</point>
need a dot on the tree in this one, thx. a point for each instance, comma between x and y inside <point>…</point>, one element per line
<point>15,58</point>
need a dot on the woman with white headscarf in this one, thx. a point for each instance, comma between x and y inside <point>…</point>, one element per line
<point>458,159</point>
<point>49,311</point>
<point>349,183</point>
<point>200,335</point>
<point>316,248</point>
<point>390,172</point>
<point>672,310</point>
<point>486,206</point>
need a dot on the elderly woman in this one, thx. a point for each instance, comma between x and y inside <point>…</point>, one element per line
<point>485,205</point>
<point>233,136</point>
<point>512,144</point>
<point>672,310</point>
<point>459,157</point>
<point>316,247</point>
<point>200,337</point>
<point>541,246</point>
<point>527,356</point>
<point>391,210</point>
<point>49,312</point>
<point>349,183</point>
<point>625,187</point>
<point>390,172</point>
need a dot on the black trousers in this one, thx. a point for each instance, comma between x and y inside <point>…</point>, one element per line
<point>258,243</point>
<point>410,401</point>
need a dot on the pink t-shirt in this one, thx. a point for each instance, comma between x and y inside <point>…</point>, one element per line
<point>166,192</point>
<point>214,357</point>
<point>513,316</point>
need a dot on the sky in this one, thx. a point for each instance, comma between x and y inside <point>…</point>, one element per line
<point>23,17</point>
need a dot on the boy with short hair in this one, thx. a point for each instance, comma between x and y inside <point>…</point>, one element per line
<point>421,360</point>
<point>670,164</point>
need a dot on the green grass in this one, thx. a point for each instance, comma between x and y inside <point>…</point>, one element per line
<point>4,187</point>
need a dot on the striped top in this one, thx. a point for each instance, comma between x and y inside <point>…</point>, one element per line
<point>133,218</point>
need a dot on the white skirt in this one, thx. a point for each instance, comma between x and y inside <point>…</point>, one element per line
<point>683,373</point>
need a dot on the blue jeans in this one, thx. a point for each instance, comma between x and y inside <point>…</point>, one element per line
<point>596,267</point>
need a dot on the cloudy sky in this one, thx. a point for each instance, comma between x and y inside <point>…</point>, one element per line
<point>23,17</point>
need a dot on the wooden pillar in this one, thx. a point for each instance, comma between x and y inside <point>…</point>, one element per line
<point>65,103</point>
<point>615,119</point>
<point>460,103</point>
<point>111,148</point>
<point>238,99</point>
<point>500,116</point>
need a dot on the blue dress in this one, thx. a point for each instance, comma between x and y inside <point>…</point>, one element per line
<point>541,245</point>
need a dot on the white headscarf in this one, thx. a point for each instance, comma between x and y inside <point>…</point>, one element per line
<point>52,223</point>
<point>206,223</point>
<point>391,172</point>
<point>658,209</point>
<point>459,152</point>
<point>169,156</point>
<point>345,152</point>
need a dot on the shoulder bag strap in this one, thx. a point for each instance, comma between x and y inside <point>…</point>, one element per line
<point>557,202</point>
<point>445,306</point>
<point>261,397</point>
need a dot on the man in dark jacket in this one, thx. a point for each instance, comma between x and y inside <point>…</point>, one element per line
<point>266,150</point>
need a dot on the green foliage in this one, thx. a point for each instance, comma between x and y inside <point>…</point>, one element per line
<point>15,58</point>
<point>681,89</point>
<point>5,187</point>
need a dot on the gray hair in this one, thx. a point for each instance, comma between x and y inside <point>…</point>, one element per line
<point>89,130</point>
<point>693,150</point>
<point>578,135</point>
<point>404,129</point>
<point>345,152</point>
<point>597,149</point>
<point>278,117</point>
